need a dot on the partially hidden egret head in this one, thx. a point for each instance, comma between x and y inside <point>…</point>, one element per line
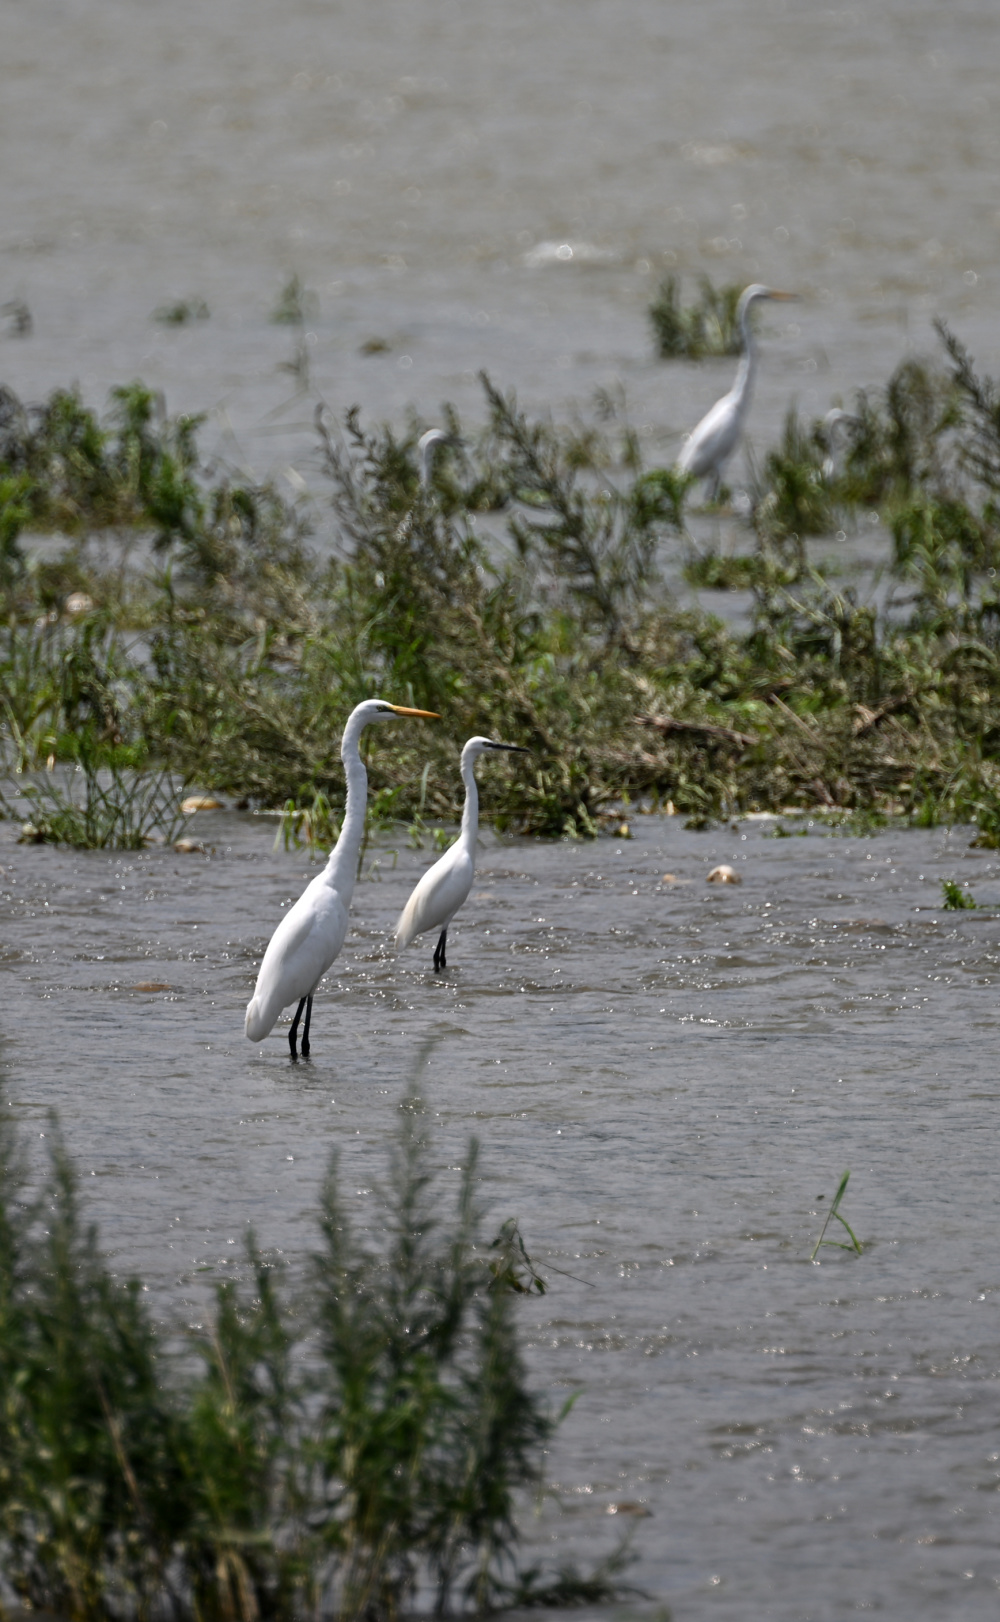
<point>757,290</point>
<point>426,448</point>
<point>312,932</point>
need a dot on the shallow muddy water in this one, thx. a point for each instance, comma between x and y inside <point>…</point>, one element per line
<point>665,1075</point>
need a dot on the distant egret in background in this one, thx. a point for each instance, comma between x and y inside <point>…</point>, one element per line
<point>709,446</point>
<point>445,886</point>
<point>312,932</point>
<point>838,426</point>
<point>425,451</point>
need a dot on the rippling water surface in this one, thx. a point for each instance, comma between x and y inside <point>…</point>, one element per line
<point>665,1075</point>
<point>421,163</point>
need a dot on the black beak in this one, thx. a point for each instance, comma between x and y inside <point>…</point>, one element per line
<point>512,748</point>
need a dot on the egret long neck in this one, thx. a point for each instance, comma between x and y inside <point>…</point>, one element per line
<point>470,812</point>
<point>743,386</point>
<point>342,867</point>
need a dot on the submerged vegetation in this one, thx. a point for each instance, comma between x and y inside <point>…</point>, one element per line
<point>856,1246</point>
<point>955,899</point>
<point>331,1452</point>
<point>181,312</point>
<point>192,624</point>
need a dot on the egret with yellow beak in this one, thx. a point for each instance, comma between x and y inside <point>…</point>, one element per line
<point>312,932</point>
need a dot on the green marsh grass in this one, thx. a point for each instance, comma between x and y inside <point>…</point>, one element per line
<point>699,330</point>
<point>181,312</point>
<point>329,1451</point>
<point>833,1215</point>
<point>795,491</point>
<point>314,827</point>
<point>418,831</point>
<point>956,899</point>
<point>98,805</point>
<point>522,593</point>
<point>296,304</point>
<point>72,757</point>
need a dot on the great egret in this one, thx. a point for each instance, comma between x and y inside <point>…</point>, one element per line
<point>445,886</point>
<point>312,932</point>
<point>709,446</point>
<point>425,453</point>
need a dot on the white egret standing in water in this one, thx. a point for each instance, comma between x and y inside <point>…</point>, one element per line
<point>445,886</point>
<point>709,446</point>
<point>312,932</point>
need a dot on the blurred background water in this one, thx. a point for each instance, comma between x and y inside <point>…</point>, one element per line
<point>666,1076</point>
<point>424,166</point>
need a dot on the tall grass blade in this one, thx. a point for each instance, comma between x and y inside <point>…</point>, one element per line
<point>834,1214</point>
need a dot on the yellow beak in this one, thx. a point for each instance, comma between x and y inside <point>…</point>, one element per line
<point>426,715</point>
<point>792,298</point>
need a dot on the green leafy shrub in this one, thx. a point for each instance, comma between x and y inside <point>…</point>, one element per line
<point>320,1457</point>
<point>70,472</point>
<point>521,593</point>
<point>794,493</point>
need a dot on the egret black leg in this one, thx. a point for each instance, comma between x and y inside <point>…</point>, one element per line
<point>294,1030</point>
<point>305,1028</point>
<point>440,961</point>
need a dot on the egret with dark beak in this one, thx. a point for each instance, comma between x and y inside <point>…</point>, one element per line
<point>445,886</point>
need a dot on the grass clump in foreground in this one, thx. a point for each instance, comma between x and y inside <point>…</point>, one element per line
<point>339,1454</point>
<point>190,626</point>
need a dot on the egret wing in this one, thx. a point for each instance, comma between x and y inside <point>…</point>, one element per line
<point>438,896</point>
<point>298,954</point>
<point>712,441</point>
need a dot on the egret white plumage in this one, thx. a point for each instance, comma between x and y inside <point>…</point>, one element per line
<point>445,886</point>
<point>312,932</point>
<point>425,453</point>
<point>709,446</point>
